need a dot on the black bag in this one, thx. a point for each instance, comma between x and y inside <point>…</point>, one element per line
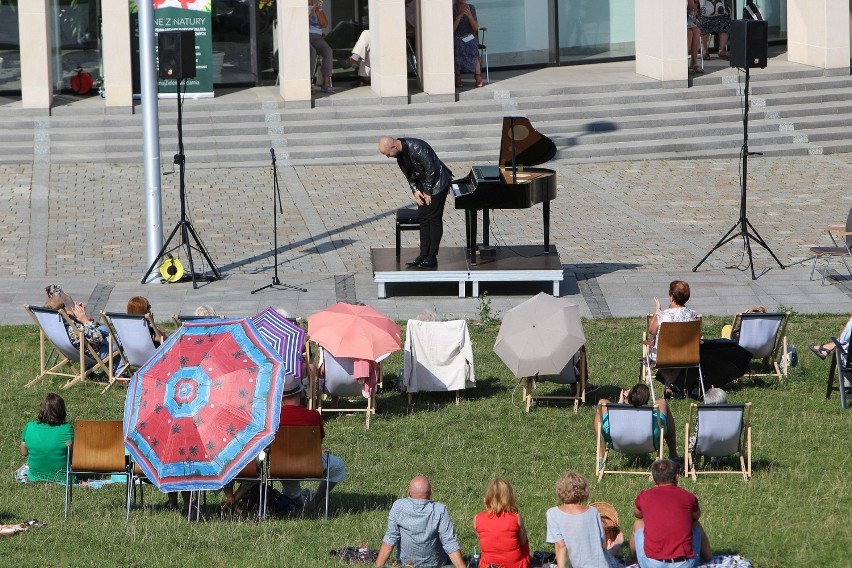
<point>277,504</point>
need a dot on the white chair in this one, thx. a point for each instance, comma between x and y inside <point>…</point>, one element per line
<point>340,382</point>
<point>841,239</point>
<point>721,430</point>
<point>132,336</point>
<point>631,431</point>
<point>765,336</point>
<point>575,373</point>
<point>438,356</point>
<point>82,361</point>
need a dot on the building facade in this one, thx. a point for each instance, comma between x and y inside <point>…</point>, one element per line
<point>264,42</point>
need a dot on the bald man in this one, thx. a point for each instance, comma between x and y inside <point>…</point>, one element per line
<point>421,529</point>
<point>429,180</point>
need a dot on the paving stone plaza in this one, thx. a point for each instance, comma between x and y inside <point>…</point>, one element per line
<point>623,229</point>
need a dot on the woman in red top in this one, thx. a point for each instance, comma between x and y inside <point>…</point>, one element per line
<point>502,536</point>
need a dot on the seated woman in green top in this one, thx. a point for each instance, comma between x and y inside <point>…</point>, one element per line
<point>45,441</point>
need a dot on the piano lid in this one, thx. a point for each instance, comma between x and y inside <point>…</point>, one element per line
<point>530,146</point>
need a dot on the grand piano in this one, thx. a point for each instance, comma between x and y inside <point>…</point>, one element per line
<point>511,184</point>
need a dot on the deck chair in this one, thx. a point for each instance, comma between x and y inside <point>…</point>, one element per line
<point>765,336</point>
<point>678,347</point>
<point>295,455</point>
<point>844,373</point>
<point>81,361</point>
<point>568,376</point>
<point>179,319</point>
<point>340,382</point>
<point>841,241</point>
<point>721,430</point>
<point>438,356</point>
<point>132,337</point>
<point>631,429</point>
<point>98,448</point>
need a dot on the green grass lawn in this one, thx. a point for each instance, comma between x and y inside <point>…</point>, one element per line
<point>794,511</point>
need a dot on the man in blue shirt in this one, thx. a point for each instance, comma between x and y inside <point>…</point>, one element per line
<point>421,529</point>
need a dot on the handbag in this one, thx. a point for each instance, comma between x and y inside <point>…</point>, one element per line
<point>712,8</point>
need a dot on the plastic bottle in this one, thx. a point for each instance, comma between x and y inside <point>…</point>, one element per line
<point>362,551</point>
<point>474,560</point>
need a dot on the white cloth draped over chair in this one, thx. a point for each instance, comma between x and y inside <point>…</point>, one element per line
<point>438,357</point>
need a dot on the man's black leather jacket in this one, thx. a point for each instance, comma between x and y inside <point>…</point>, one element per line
<point>422,168</point>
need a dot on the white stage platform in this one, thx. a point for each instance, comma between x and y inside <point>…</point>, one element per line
<point>521,263</point>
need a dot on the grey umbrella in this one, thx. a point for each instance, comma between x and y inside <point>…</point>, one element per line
<point>539,336</point>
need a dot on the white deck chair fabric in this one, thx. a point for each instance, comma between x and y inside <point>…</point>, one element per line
<point>132,332</point>
<point>719,429</point>
<point>438,356</point>
<point>53,326</point>
<point>758,333</point>
<point>631,429</point>
<point>339,376</point>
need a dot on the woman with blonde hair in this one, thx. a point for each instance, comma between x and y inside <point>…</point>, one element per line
<point>502,536</point>
<point>576,530</point>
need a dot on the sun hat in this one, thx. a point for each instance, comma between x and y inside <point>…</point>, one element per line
<point>292,386</point>
<point>609,516</point>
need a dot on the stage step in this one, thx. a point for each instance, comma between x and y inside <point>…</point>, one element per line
<point>792,113</point>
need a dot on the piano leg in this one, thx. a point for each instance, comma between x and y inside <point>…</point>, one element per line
<point>486,226</point>
<point>471,222</point>
<point>545,212</point>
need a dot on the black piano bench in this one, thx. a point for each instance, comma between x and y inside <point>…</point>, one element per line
<point>406,220</point>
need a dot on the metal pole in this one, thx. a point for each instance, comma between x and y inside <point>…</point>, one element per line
<point>150,136</point>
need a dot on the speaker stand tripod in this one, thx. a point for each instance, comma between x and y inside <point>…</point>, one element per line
<point>742,226</point>
<point>184,226</point>
<point>276,195</point>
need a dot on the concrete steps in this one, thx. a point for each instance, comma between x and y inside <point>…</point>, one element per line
<point>792,113</point>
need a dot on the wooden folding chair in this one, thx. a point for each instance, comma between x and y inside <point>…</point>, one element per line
<point>132,337</point>
<point>437,356</point>
<point>295,455</point>
<point>98,448</point>
<point>568,376</point>
<point>844,373</point>
<point>340,382</point>
<point>633,430</point>
<point>721,430</point>
<point>678,347</point>
<point>82,360</point>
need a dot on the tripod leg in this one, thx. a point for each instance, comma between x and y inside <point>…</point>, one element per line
<point>203,250</point>
<point>756,236</point>
<point>728,237</point>
<point>185,226</point>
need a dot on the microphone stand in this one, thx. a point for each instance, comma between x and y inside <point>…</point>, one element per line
<point>276,195</point>
<point>184,225</point>
<point>743,224</point>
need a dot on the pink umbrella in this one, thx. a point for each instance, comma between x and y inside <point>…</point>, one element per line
<point>347,330</point>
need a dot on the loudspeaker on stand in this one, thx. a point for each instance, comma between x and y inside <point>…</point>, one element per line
<point>176,54</point>
<point>749,43</point>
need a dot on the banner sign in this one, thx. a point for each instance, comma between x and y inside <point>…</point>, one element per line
<point>180,15</point>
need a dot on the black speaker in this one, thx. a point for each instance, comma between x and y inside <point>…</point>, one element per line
<point>176,52</point>
<point>749,42</point>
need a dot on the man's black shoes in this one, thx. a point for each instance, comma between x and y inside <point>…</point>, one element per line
<point>429,262</point>
<point>416,262</point>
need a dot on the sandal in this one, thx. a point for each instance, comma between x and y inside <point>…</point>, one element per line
<point>458,82</point>
<point>724,56</point>
<point>479,81</point>
<point>697,69</point>
<point>819,351</point>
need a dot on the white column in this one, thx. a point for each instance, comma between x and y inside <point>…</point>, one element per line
<point>661,50</point>
<point>818,33</point>
<point>388,70</point>
<point>33,23</point>
<point>115,48</point>
<point>437,61</point>
<point>293,50</point>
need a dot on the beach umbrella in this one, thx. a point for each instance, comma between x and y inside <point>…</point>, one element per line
<point>205,404</point>
<point>539,336</point>
<point>284,336</point>
<point>347,330</point>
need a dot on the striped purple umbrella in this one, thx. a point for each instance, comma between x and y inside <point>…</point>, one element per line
<point>284,336</point>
